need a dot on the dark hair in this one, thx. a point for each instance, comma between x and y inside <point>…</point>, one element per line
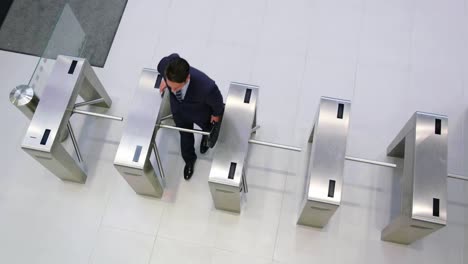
<point>177,70</point>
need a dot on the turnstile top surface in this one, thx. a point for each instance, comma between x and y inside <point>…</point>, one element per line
<point>57,101</point>
<point>143,115</point>
<point>430,167</point>
<point>396,147</point>
<point>326,160</point>
<point>233,140</point>
<point>423,143</point>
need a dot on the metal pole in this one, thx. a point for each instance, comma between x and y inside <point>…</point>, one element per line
<point>90,102</point>
<point>184,129</point>
<point>75,143</point>
<point>255,129</point>
<point>166,117</point>
<point>392,165</point>
<point>379,163</point>
<point>458,177</point>
<point>268,144</point>
<point>158,160</point>
<point>117,118</point>
<point>244,183</point>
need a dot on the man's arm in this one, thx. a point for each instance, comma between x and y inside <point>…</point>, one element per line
<point>215,101</point>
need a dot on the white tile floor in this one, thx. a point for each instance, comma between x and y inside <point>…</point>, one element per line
<point>390,57</point>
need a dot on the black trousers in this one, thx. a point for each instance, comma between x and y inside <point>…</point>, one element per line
<point>187,140</point>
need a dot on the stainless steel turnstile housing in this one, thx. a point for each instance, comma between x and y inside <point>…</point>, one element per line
<point>70,77</point>
<point>423,144</point>
<point>325,162</point>
<point>137,158</point>
<point>227,179</point>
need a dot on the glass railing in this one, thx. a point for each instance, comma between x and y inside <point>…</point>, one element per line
<point>67,38</point>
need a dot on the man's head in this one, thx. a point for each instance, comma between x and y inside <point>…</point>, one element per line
<point>177,74</point>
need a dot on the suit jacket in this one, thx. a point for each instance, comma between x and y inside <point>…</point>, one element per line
<point>201,100</point>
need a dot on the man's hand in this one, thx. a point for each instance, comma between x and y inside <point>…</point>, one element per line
<point>215,119</point>
<point>162,86</point>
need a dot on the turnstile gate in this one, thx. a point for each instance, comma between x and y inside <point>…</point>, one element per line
<point>137,158</point>
<point>325,162</point>
<point>228,179</point>
<point>69,78</point>
<point>227,176</point>
<point>423,144</point>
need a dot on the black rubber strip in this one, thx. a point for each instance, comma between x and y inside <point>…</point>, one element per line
<point>339,115</point>
<point>435,207</point>
<point>232,170</point>
<point>158,81</point>
<point>331,188</point>
<point>248,94</point>
<point>72,67</point>
<point>438,126</point>
<point>136,155</point>
<point>45,137</point>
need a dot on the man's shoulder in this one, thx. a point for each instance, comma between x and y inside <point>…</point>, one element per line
<point>200,79</point>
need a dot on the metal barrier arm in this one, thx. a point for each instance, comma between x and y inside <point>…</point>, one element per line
<point>393,165</point>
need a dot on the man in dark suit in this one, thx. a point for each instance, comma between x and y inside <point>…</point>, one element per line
<point>195,98</point>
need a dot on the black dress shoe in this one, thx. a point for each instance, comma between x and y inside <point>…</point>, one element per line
<point>188,170</point>
<point>204,145</point>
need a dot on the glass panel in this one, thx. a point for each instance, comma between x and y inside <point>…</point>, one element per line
<point>68,38</point>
